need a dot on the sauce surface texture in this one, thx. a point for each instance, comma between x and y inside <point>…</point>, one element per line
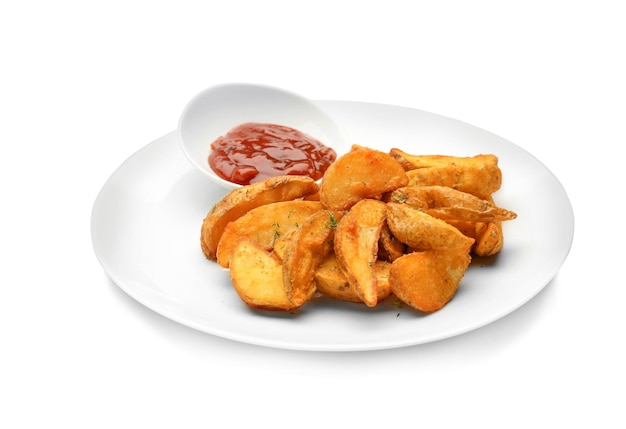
<point>253,151</point>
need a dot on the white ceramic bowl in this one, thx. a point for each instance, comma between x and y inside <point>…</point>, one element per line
<point>216,110</point>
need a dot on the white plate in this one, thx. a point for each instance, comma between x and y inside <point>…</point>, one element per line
<point>146,229</point>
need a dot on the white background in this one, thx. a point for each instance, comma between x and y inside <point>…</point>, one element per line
<point>83,85</point>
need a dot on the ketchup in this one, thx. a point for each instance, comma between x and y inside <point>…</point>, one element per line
<point>253,152</point>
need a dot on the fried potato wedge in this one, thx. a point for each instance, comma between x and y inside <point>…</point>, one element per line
<point>356,246</point>
<point>422,231</point>
<point>448,204</point>
<point>488,235</point>
<point>428,280</point>
<point>305,252</point>
<point>240,201</point>
<point>480,180</point>
<point>333,282</point>
<point>264,224</point>
<point>377,225</point>
<point>258,277</point>
<point>411,162</point>
<point>359,174</point>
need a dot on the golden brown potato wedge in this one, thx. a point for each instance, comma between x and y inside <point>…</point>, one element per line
<point>378,224</point>
<point>450,204</point>
<point>361,173</point>
<point>258,277</point>
<point>239,201</point>
<point>488,235</point>
<point>478,175</point>
<point>421,231</point>
<point>333,282</point>
<point>305,251</point>
<point>356,246</point>
<point>428,280</point>
<point>412,162</point>
<point>264,224</point>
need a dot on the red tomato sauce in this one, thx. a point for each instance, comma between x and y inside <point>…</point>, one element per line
<point>253,152</point>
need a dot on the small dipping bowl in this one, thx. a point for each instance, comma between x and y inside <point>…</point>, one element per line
<point>218,109</point>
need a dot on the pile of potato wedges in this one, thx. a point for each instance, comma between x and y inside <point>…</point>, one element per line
<point>377,225</point>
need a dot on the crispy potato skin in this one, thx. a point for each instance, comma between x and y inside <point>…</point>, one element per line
<point>264,224</point>
<point>360,174</point>
<point>356,246</point>
<point>240,201</point>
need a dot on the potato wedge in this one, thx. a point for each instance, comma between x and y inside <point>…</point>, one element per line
<point>411,162</point>
<point>305,251</point>
<point>488,235</point>
<point>428,280</point>
<point>422,231</point>
<point>361,173</point>
<point>450,204</point>
<point>333,282</point>
<point>258,277</point>
<point>480,180</point>
<point>264,224</point>
<point>244,199</point>
<point>356,246</point>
